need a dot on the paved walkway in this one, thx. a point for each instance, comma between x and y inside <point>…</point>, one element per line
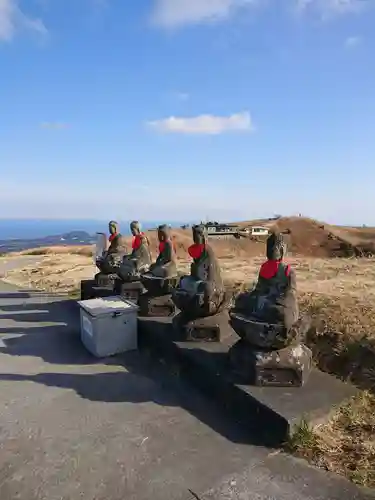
<point>72,427</point>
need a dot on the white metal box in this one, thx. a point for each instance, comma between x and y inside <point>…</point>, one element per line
<point>108,325</point>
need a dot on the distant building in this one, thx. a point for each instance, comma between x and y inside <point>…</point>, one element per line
<point>217,230</point>
<point>259,231</point>
<point>256,231</point>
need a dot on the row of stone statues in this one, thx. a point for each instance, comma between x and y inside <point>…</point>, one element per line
<point>199,294</point>
<point>266,318</point>
<point>117,260</point>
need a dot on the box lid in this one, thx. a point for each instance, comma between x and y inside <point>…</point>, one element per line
<point>107,305</point>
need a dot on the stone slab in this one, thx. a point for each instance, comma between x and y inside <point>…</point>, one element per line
<point>274,409</point>
<point>209,329</point>
<point>90,290</point>
<point>129,290</point>
<point>159,306</point>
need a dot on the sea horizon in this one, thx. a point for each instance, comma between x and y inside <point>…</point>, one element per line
<point>24,229</point>
<point>14,229</point>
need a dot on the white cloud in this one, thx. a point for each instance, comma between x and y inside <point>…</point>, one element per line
<point>329,8</point>
<point>172,13</point>
<point>54,125</point>
<point>13,19</point>
<point>352,41</point>
<point>177,13</point>
<point>204,124</point>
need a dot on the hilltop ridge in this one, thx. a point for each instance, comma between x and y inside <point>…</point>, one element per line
<point>72,238</point>
<point>306,237</point>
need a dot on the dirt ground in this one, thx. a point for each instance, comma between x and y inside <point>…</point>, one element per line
<point>351,277</point>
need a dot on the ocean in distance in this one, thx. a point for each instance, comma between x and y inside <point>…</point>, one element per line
<point>40,228</point>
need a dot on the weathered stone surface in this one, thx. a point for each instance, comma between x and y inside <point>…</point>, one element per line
<point>208,329</point>
<point>86,289</point>
<point>270,352</point>
<point>139,261</point>
<point>202,293</point>
<point>158,286</point>
<point>131,269</point>
<point>131,290</point>
<point>267,335</point>
<point>205,302</point>
<point>159,306</point>
<point>287,367</point>
<point>268,315</point>
<point>110,263</point>
<point>160,279</point>
<point>165,265</point>
<point>110,260</point>
<point>90,290</point>
<point>105,280</point>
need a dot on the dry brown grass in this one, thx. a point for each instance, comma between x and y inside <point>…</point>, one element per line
<point>55,272</point>
<point>338,293</point>
<point>346,444</point>
<point>85,250</point>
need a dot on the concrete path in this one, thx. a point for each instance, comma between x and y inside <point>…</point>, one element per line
<point>72,427</point>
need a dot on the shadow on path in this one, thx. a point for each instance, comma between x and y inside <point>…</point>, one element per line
<point>146,379</point>
<point>15,295</point>
<point>41,308</point>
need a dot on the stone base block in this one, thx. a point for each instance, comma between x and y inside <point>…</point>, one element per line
<point>87,289</point>
<point>105,280</point>
<point>161,306</point>
<point>263,335</point>
<point>158,286</point>
<point>208,329</point>
<point>287,367</point>
<point>90,290</point>
<point>131,291</point>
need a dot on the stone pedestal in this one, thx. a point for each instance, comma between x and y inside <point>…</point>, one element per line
<point>90,290</point>
<point>265,335</point>
<point>209,329</point>
<point>131,290</point>
<point>287,367</point>
<point>158,286</point>
<point>105,280</point>
<point>151,306</point>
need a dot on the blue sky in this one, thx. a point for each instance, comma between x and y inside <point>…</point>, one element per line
<point>181,109</point>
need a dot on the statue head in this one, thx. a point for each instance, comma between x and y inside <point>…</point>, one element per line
<point>135,227</point>
<point>164,232</point>
<point>113,227</point>
<point>199,234</point>
<point>276,247</point>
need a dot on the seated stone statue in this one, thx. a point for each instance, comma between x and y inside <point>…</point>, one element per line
<point>111,259</point>
<point>267,320</point>
<point>160,279</point>
<point>139,261</point>
<point>200,294</point>
<point>163,272</point>
<point>266,315</point>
